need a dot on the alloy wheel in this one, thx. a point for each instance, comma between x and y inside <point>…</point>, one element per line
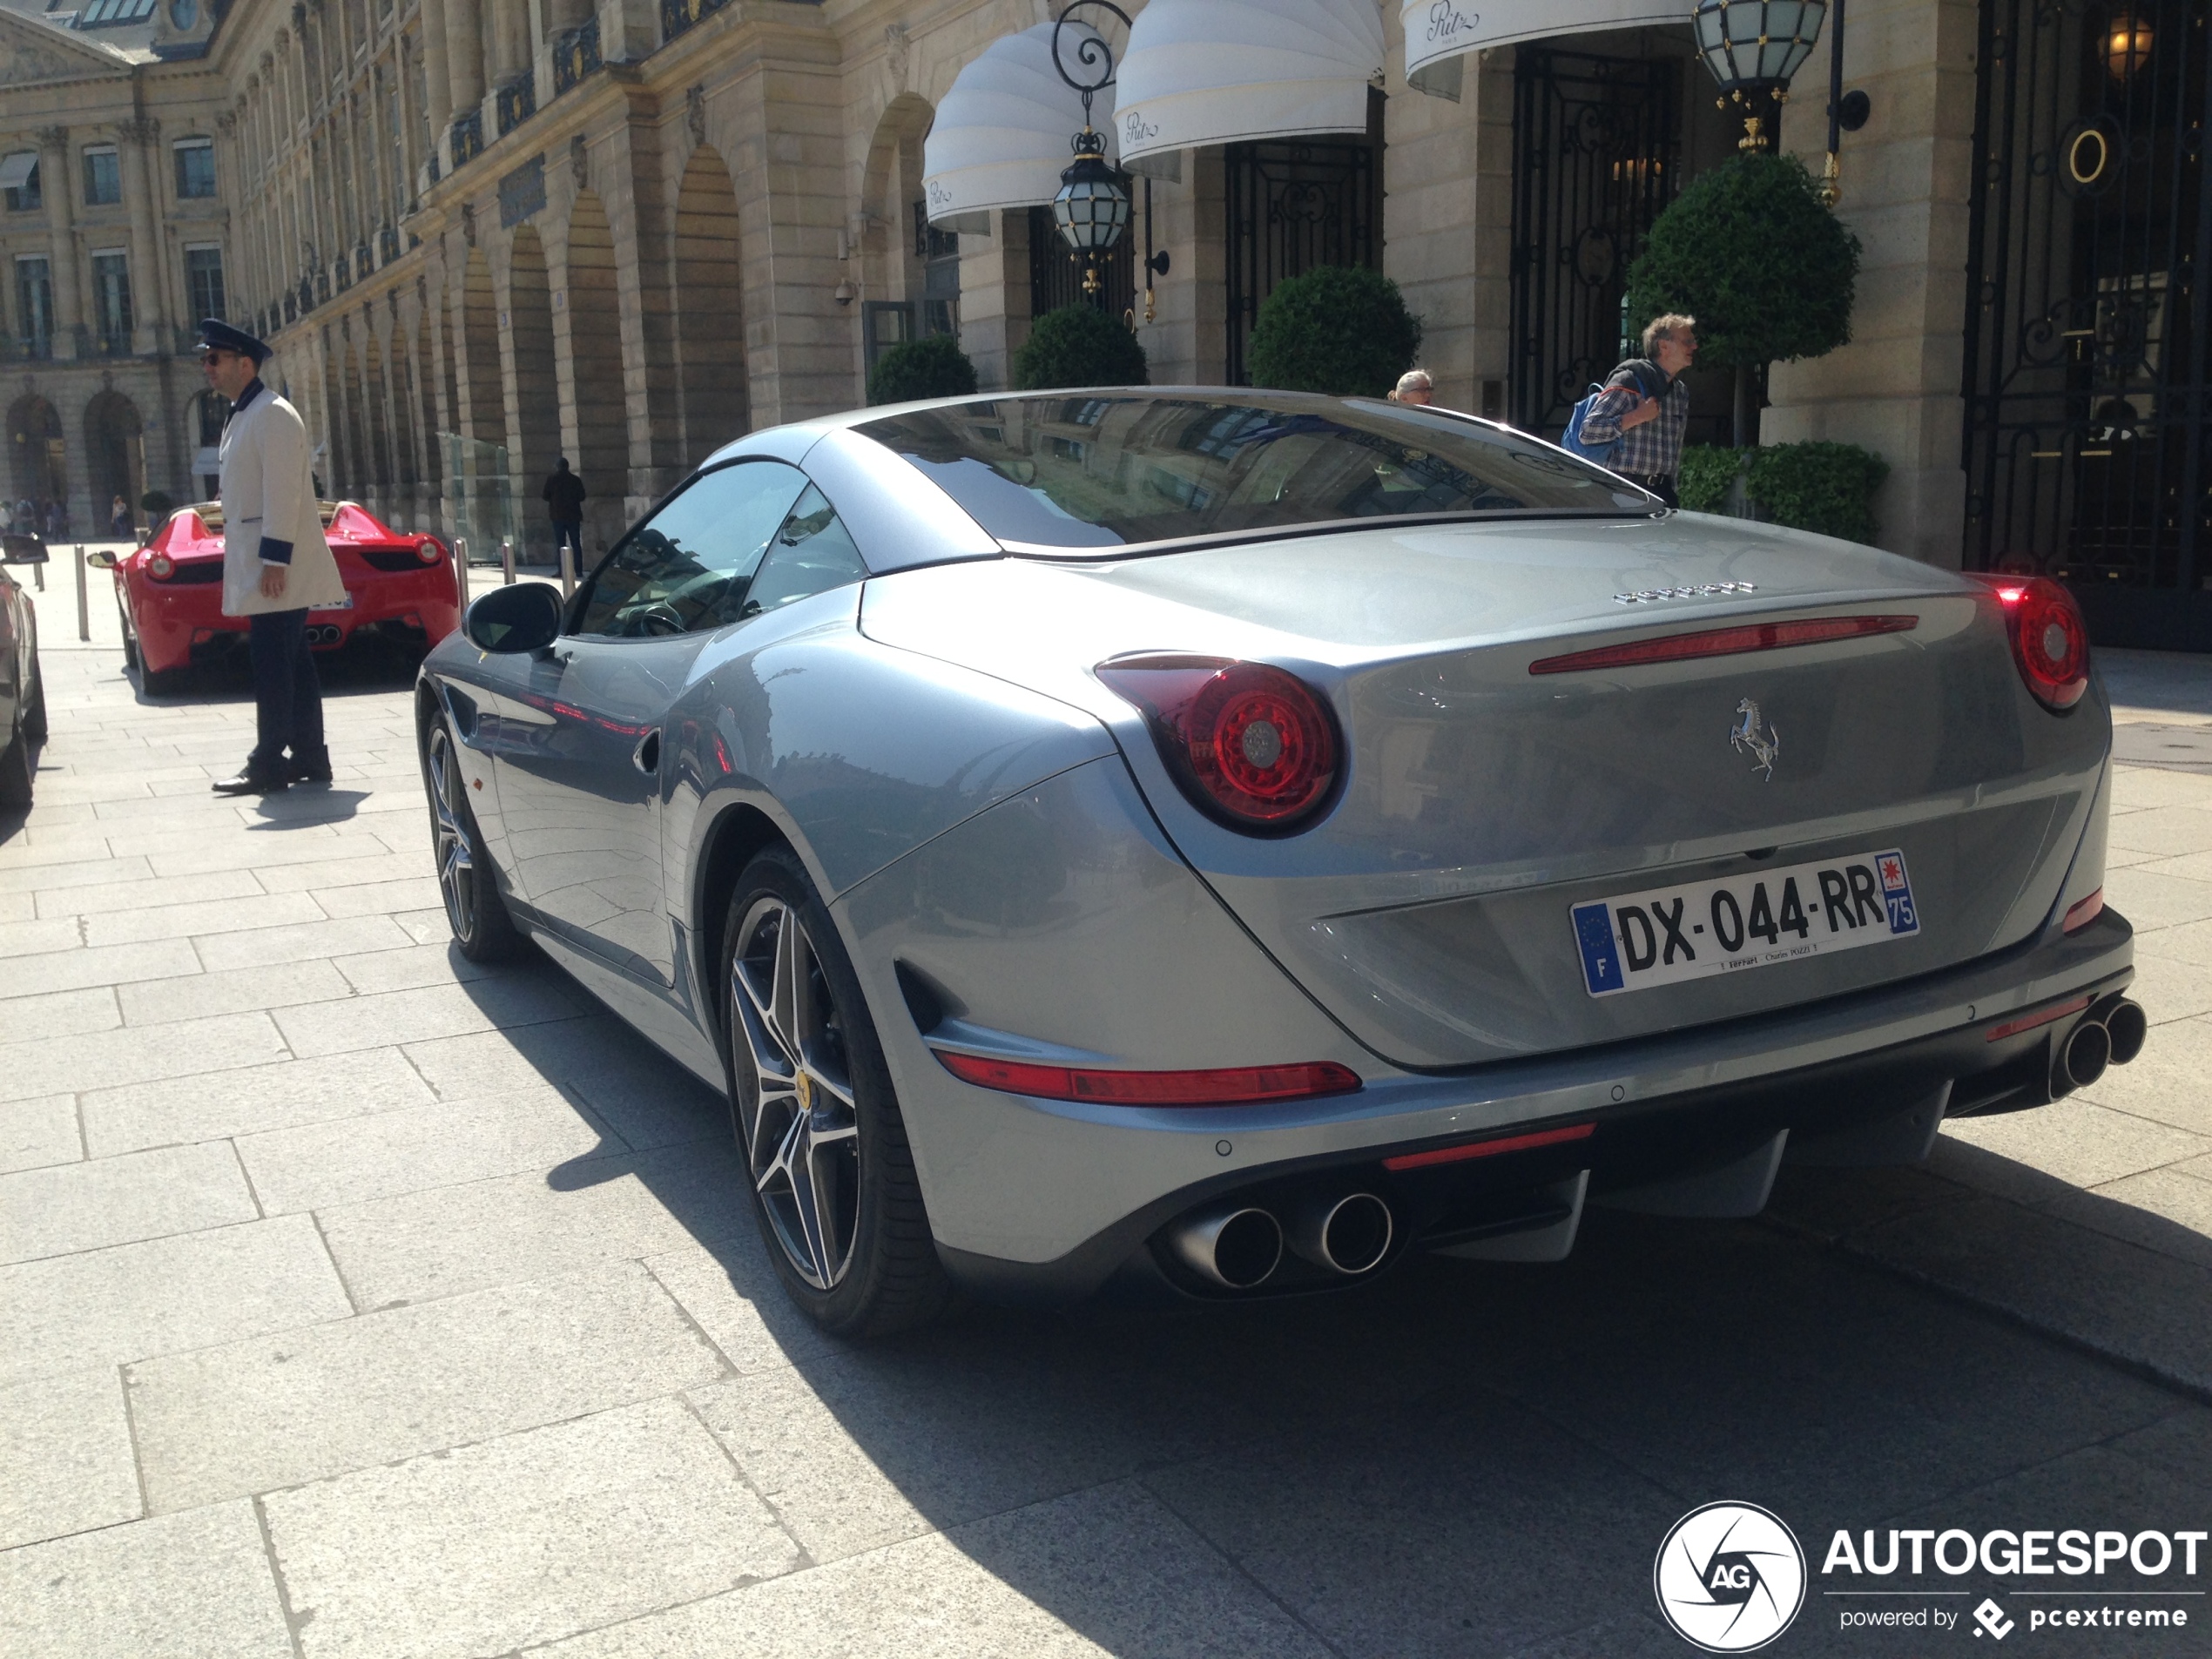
<point>801,1130</point>
<point>455,854</point>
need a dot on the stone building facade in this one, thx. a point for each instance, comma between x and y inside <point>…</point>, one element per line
<point>484,233</point>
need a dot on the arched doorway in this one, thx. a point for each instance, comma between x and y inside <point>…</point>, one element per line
<point>533,386</point>
<point>480,466</point>
<point>710,309</point>
<point>909,272</point>
<point>36,452</point>
<point>114,456</point>
<point>594,404</point>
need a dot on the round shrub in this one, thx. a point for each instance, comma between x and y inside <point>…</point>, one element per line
<point>918,368</point>
<point>1076,346</point>
<point>1828,488</point>
<point>1340,329</point>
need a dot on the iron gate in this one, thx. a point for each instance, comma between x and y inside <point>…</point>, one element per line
<point>1596,147</point>
<point>1292,206</point>
<point>2086,425</point>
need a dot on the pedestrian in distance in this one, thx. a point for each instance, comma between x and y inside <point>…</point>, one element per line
<point>277,566</point>
<point>1414,387</point>
<point>1643,410</point>
<point>7,516</point>
<point>56,521</point>
<point>564,505</point>
<point>118,520</point>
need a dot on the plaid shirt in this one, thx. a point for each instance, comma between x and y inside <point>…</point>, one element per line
<point>1653,448</point>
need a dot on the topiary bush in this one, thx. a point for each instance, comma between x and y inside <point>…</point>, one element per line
<point>1078,344</point>
<point>1765,266</point>
<point>1707,471</point>
<point>156,505</point>
<point>1340,329</point>
<point>1827,487</point>
<point>918,368</point>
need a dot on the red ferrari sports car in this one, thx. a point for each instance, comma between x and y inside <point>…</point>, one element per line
<point>171,591</point>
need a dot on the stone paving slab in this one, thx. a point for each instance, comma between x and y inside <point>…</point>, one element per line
<point>417,1301</point>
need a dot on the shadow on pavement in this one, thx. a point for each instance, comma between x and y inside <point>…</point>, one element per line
<point>1456,1459</point>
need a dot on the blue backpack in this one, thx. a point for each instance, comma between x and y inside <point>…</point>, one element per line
<point>1602,454</point>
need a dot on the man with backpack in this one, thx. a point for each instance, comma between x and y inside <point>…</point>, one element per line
<point>1635,425</point>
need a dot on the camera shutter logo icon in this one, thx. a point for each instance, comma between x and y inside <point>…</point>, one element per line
<point>1729,1577</point>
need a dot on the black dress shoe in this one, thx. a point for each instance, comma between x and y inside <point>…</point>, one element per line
<point>311,769</point>
<point>251,782</point>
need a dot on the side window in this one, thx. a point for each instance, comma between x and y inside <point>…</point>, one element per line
<point>689,567</point>
<point>811,554</point>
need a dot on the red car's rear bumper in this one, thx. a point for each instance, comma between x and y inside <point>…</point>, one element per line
<point>173,619</point>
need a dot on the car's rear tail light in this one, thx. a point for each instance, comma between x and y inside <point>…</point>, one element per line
<point>160,567</point>
<point>2079,916</point>
<point>1491,1148</point>
<point>1228,1086</point>
<point>1726,642</point>
<point>2050,640</point>
<point>429,550</point>
<point>1252,744</point>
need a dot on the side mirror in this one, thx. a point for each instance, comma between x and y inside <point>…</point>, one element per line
<point>22,550</point>
<point>526,616</point>
<point>103,560</point>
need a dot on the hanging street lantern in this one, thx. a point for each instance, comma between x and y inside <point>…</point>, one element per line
<point>1091,208</point>
<point>1753,47</point>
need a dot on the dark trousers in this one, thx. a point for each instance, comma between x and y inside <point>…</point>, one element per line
<point>287,697</point>
<point>568,532</point>
<point>1661,484</point>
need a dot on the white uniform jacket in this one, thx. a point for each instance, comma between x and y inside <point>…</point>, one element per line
<point>269,489</point>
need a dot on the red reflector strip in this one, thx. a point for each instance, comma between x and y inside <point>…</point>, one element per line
<point>1726,642</point>
<point>1230,1086</point>
<point>2080,915</point>
<point>1490,1148</point>
<point>2042,1016</point>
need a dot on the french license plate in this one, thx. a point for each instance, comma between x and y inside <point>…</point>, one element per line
<point>1641,939</point>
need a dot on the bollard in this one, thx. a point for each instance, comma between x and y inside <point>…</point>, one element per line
<point>507,562</point>
<point>567,568</point>
<point>84,604</point>
<point>38,575</point>
<point>461,569</point>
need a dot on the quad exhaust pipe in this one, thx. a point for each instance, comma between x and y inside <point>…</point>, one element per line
<point>2111,1034</point>
<point>1239,1247</point>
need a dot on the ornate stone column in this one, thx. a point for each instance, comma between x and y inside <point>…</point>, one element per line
<point>464,53</point>
<point>58,186</point>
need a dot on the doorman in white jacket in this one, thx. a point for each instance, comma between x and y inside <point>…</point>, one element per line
<point>277,566</point>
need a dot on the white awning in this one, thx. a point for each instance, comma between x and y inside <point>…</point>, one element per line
<point>1224,71</point>
<point>15,170</point>
<point>1440,33</point>
<point>1003,132</point>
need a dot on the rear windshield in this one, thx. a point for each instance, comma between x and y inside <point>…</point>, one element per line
<point>1065,474</point>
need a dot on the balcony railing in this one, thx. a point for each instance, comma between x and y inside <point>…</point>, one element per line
<point>295,303</point>
<point>388,245</point>
<point>468,136</point>
<point>110,343</point>
<point>677,15</point>
<point>517,101</point>
<point>575,55</point>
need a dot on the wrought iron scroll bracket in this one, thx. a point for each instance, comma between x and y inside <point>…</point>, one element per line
<point>1093,56</point>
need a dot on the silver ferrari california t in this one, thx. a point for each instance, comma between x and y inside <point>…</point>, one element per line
<point>1222,840</point>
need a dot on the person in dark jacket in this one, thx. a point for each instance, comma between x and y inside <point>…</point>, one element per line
<point>565,504</point>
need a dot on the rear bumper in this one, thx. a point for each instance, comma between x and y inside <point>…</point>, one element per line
<point>177,624</point>
<point>1657,1109</point>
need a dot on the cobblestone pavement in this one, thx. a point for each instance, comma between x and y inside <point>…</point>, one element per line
<point>357,1302</point>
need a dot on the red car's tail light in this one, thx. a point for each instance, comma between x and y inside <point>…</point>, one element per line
<point>1489,1149</point>
<point>2050,640</point>
<point>2040,1017</point>
<point>1726,642</point>
<point>1252,744</point>
<point>429,550</point>
<point>1228,1086</point>
<point>160,567</point>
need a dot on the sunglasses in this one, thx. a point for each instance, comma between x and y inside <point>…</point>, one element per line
<point>209,359</point>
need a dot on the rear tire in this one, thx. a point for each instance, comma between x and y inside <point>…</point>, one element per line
<point>16,770</point>
<point>481,926</point>
<point>34,718</point>
<point>818,1121</point>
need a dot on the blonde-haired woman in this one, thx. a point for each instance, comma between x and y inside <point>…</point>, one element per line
<point>1414,387</point>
